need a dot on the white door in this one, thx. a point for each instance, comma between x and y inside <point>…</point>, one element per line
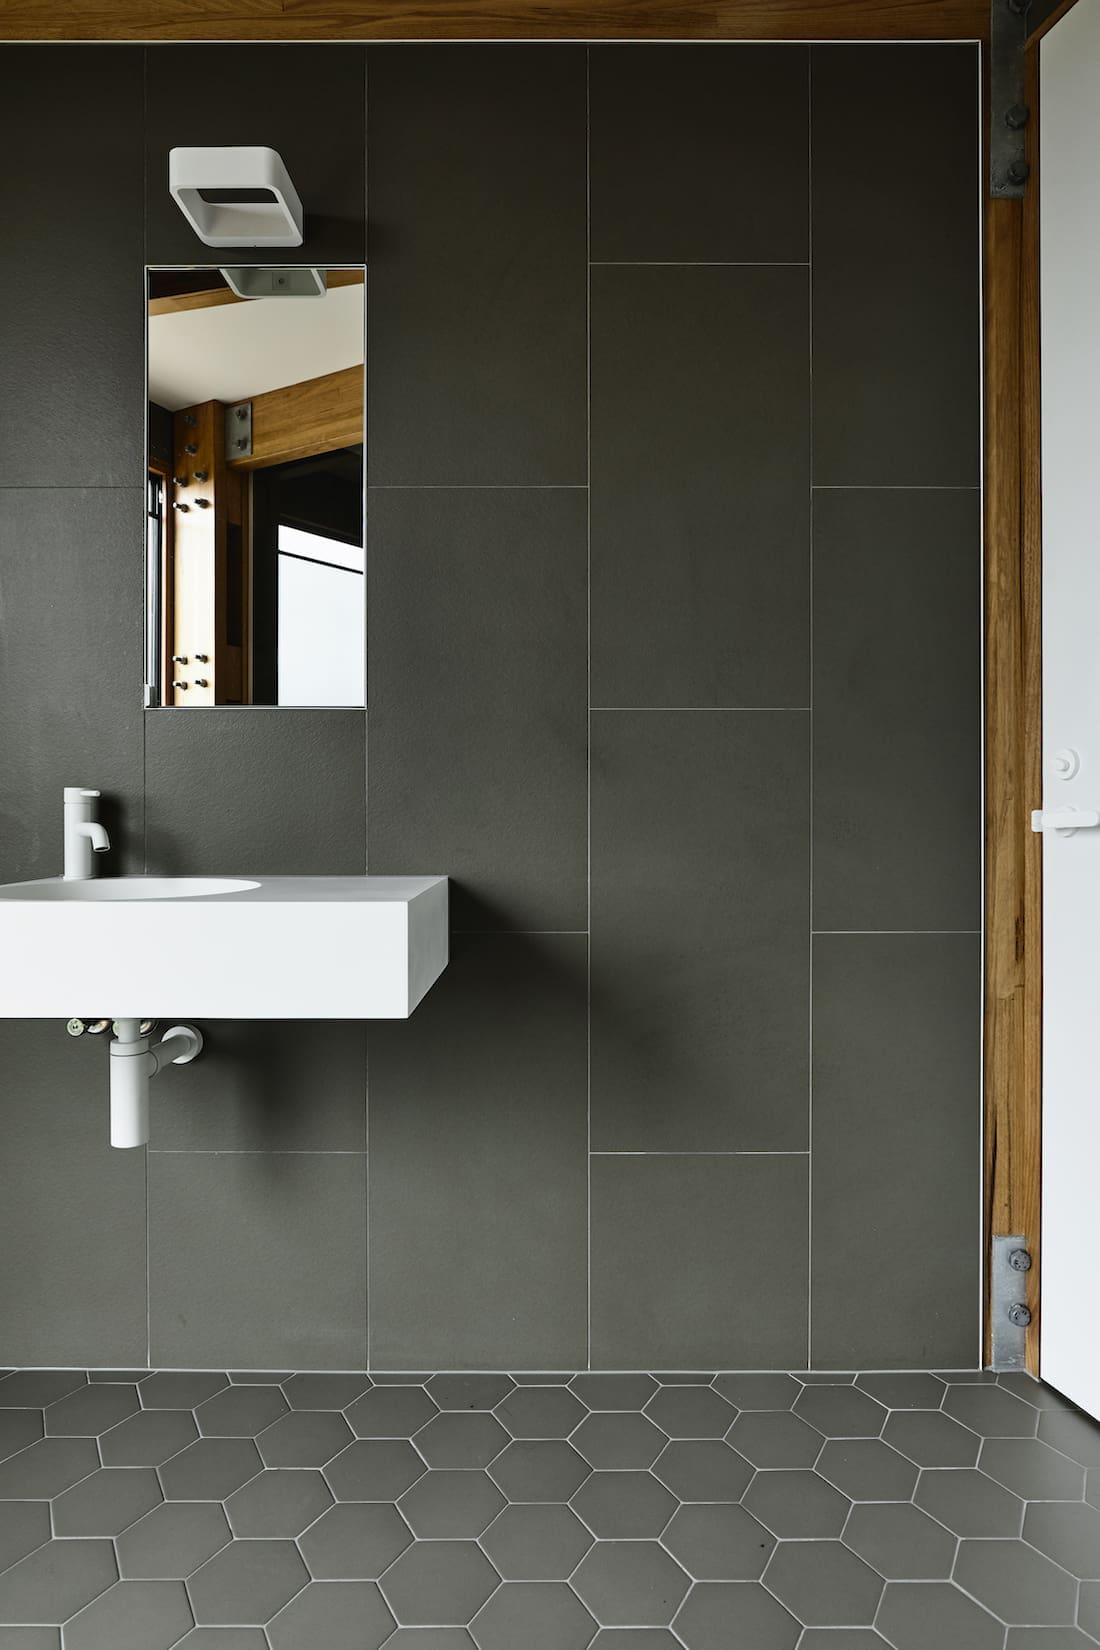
<point>1069,197</point>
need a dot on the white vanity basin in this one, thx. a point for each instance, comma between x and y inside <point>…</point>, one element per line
<point>266,948</point>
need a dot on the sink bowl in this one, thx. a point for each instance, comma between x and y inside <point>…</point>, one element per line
<point>263,948</point>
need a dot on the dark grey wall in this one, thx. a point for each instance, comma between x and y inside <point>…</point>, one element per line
<point>674,668</point>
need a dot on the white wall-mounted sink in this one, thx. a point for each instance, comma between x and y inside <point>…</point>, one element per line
<point>264,948</point>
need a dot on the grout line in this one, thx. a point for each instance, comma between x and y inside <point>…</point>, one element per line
<point>810,763</point>
<point>588,689</point>
<point>697,263</point>
<point>705,708</point>
<point>914,931</point>
<point>803,1153</point>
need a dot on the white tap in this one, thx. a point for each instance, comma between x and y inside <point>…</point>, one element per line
<point>83,833</point>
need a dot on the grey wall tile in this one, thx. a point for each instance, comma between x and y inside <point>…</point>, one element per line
<point>671,177</point>
<point>896,1173</point>
<point>73,408</point>
<point>478,1139</point>
<point>897,709</point>
<point>72,1217</point>
<point>700,1261</point>
<point>306,101</point>
<point>257,1259</point>
<point>478,687</point>
<point>271,792</point>
<point>71,659</point>
<point>700,923</point>
<point>700,486</point>
<point>896,285</point>
<point>476,319</point>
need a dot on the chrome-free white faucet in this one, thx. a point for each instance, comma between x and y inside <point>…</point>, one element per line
<point>83,833</point>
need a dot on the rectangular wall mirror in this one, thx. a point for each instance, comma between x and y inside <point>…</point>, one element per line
<point>255,566</point>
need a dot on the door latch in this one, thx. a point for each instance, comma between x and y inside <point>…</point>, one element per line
<point>1064,821</point>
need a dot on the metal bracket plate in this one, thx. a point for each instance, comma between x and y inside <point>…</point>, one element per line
<point>1008,114</point>
<point>1007,1290</point>
<point>238,430</point>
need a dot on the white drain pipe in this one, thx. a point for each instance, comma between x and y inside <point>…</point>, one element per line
<point>133,1063</point>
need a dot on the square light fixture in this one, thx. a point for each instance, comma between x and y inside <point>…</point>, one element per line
<point>236,197</point>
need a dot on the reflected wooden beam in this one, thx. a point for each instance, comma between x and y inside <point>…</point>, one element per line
<point>316,416</point>
<point>179,303</point>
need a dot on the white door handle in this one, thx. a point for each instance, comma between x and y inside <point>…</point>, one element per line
<point>1063,820</point>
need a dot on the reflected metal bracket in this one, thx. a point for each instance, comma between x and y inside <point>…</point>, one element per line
<point>238,430</point>
<point>1008,113</point>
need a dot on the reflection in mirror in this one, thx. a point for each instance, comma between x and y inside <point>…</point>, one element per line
<point>255,572</point>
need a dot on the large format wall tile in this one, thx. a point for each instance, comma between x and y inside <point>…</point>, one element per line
<point>478,1168</point>
<point>700,486</point>
<point>261,791</point>
<point>896,1174</point>
<point>476,319</point>
<point>478,689</point>
<point>700,922</point>
<point>896,212</point>
<point>73,406</point>
<point>72,1214</point>
<point>71,662</point>
<point>897,709</point>
<point>673,180</point>
<point>699,1262</point>
<point>306,101</point>
<point>257,1260</point>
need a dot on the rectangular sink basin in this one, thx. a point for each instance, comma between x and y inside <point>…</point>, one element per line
<point>229,948</point>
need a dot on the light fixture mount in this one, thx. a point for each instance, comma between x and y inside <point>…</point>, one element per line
<point>236,197</point>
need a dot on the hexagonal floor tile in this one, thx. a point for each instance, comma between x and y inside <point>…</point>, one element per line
<point>172,1541</point>
<point>390,1412</point>
<point>991,1411</point>
<point>47,1467</point>
<point>735,1615</point>
<point>1025,1386</point>
<point>304,1438</point>
<point>439,1583</point>
<point>601,1391</point>
<point>539,1615</point>
<point>461,1438</point>
<point>224,1638</point>
<point>323,1391</point>
<point>1074,1434</point>
<point>715,1543</point>
<point>149,1438</point>
<point>339,1615</point>
<point>691,1412</point>
<point>841,1638</point>
<point>757,1391</point>
<point>841,1412</point>
<point>132,1615</point>
<point>630,1584</point>
<point>56,1581</point>
<point>354,1541</point>
<point>1069,1533</point>
<point>1029,1468</point>
<point>536,1542</point>
<point>1017,1584</point>
<point>451,1503</point>
<point>796,1504</point>
<point>623,1439</point>
<point>180,1388</point>
<point>106,1503</point>
<point>867,1469</point>
<point>624,1506</point>
<point>24,1525</point>
<point>18,1428</point>
<point>933,1439</point>
<point>824,1584</point>
<point>90,1411</point>
<point>904,1391</point>
<point>635,1638</point>
<point>240,1411</point>
<point>900,1541</point>
<point>458,1391</point>
<point>969,1502</point>
<point>247,1583</point>
<point>210,1469</point>
<point>775,1439</point>
<point>539,1470</point>
<point>282,1501</point>
<point>540,1412</point>
<point>374,1469</point>
<point>702,1469</point>
<point>934,1615</point>
<point>1088,1609</point>
<point>34,1388</point>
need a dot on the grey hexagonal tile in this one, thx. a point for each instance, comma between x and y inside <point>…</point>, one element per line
<point>340,1615</point>
<point>1069,1533</point>
<point>430,1638</point>
<point>866,1469</point>
<point>775,1439</point>
<point>260,1377</point>
<point>461,1438</point>
<point>173,1541</point>
<point>374,1469</point>
<point>31,1638</point>
<point>1088,1609</point>
<point>224,1638</point>
<point>322,1391</point>
<point>180,1388</point>
<point>451,1504</point>
<point>247,1583</point>
<point>991,1411</point>
<point>540,1412</point>
<point>539,1615</point>
<point>735,1615</point>
<point>900,1541</point>
<point>630,1584</point>
<point>691,1412</point>
<point>354,1541</point>
<point>210,1469</point>
<point>604,1391</point>
<point>240,1411</point>
<point>715,1543</point>
<point>635,1638</point>
<point>934,1615</point>
<point>35,1388</point>
<point>841,1412</point>
<point>1067,1430</point>
<point>390,1412</point>
<point>624,1506</point>
<point>1048,1638</point>
<point>18,1428</point>
<point>969,1503</point>
<point>149,1438</point>
<point>439,1584</point>
<point>539,1469</point>
<point>55,1581</point>
<point>840,1638</point>
<point>757,1391</point>
<point>1029,1468</point>
<point>459,1391</point>
<point>282,1501</point>
<point>1016,1583</point>
<point>132,1615</point>
<point>106,1503</point>
<point>47,1467</point>
<point>824,1584</point>
<point>619,1439</point>
<point>536,1542</point>
<point>900,1390</point>
<point>90,1411</point>
<point>702,1469</point>
<point>304,1438</point>
<point>1025,1386</point>
<point>933,1439</point>
<point>24,1525</point>
<point>796,1504</point>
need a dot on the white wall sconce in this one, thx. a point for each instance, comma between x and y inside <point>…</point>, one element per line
<point>236,197</point>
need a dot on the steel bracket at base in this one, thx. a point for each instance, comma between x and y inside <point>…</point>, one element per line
<point>1009,1315</point>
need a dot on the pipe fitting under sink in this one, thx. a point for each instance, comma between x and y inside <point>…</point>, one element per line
<point>135,1061</point>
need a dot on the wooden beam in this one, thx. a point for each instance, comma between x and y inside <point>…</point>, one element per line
<point>213,297</point>
<point>316,416</point>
